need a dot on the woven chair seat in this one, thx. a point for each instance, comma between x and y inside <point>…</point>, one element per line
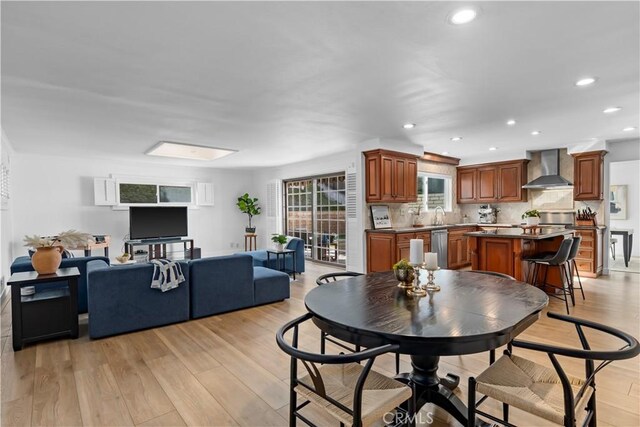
<point>380,394</point>
<point>531,387</point>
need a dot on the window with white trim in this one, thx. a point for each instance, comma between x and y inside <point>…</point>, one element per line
<point>435,190</point>
<point>146,193</point>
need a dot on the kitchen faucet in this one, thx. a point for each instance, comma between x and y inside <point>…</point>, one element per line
<point>435,219</point>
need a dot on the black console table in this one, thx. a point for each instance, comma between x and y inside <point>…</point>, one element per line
<point>281,255</point>
<point>158,247</point>
<point>48,313</point>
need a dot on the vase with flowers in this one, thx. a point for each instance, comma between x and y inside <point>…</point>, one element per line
<point>532,217</point>
<point>48,250</point>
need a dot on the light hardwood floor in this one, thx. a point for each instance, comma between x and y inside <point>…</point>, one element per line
<point>227,369</point>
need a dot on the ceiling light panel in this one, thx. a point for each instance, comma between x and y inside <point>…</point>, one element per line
<point>181,150</point>
<point>409,125</point>
<point>586,81</point>
<point>610,110</point>
<point>463,16</point>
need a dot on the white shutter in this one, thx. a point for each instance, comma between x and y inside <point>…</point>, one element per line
<point>104,191</point>
<point>205,193</point>
<point>273,208</point>
<point>354,233</point>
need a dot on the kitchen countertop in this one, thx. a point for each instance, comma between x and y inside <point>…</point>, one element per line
<point>516,233</point>
<point>424,228</point>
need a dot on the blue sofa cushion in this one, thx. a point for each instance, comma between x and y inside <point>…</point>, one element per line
<point>121,300</point>
<point>270,285</point>
<point>221,284</point>
<point>23,263</point>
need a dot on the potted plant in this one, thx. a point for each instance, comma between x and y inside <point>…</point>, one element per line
<point>404,271</point>
<point>532,216</point>
<point>279,240</point>
<point>249,206</point>
<point>48,255</point>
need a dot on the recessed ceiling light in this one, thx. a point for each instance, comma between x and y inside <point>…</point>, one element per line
<point>629,129</point>
<point>463,16</point>
<point>610,110</point>
<point>493,148</point>
<point>444,153</point>
<point>536,133</point>
<point>409,125</point>
<point>187,151</point>
<point>511,122</point>
<point>586,81</point>
<point>456,138</point>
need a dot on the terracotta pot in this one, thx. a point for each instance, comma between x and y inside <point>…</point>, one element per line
<point>47,259</point>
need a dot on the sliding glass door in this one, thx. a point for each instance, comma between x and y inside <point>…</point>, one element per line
<point>315,212</point>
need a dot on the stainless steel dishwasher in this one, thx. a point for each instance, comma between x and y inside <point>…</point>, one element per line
<point>439,245</point>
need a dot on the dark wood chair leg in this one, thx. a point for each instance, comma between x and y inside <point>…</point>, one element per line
<point>492,357</point>
<point>505,412</point>
<point>397,363</point>
<point>471,401</point>
<point>323,343</point>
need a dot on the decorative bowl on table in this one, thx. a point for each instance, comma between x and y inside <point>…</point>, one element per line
<point>124,258</point>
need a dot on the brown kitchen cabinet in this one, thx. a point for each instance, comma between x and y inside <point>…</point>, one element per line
<point>390,176</point>
<point>492,182</point>
<point>589,259</point>
<point>466,185</point>
<point>386,248</point>
<point>588,173</point>
<point>458,255</point>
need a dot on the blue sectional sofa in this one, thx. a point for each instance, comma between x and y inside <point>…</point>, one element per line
<point>228,283</point>
<point>260,257</point>
<point>121,299</point>
<point>23,263</point>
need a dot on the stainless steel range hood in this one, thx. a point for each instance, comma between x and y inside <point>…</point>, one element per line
<point>550,164</point>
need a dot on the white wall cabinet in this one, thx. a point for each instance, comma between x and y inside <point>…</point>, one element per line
<point>104,191</point>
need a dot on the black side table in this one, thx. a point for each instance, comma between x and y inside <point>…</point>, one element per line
<point>282,255</point>
<point>49,313</point>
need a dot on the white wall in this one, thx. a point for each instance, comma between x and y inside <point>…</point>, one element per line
<point>53,194</point>
<point>627,173</point>
<point>6,226</point>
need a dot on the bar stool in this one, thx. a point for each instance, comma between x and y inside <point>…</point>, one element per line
<point>573,267</point>
<point>560,260</point>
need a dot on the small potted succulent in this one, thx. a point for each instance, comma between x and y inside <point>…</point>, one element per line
<point>532,217</point>
<point>249,206</point>
<point>404,272</point>
<point>279,240</point>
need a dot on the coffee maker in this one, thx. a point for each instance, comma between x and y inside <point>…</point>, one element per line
<point>487,215</point>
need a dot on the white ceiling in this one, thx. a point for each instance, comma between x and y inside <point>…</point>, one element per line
<point>284,82</point>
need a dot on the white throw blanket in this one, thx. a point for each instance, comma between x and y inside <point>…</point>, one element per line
<point>167,275</point>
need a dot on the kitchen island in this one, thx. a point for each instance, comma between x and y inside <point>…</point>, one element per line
<point>503,250</point>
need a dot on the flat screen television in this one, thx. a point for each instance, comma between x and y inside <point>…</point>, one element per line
<point>151,222</point>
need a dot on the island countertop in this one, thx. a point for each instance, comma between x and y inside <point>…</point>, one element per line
<point>518,233</point>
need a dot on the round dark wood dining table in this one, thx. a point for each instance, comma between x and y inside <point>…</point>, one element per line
<point>471,313</point>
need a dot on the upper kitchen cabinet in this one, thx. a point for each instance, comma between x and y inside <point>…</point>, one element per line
<point>390,176</point>
<point>588,170</point>
<point>492,182</point>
